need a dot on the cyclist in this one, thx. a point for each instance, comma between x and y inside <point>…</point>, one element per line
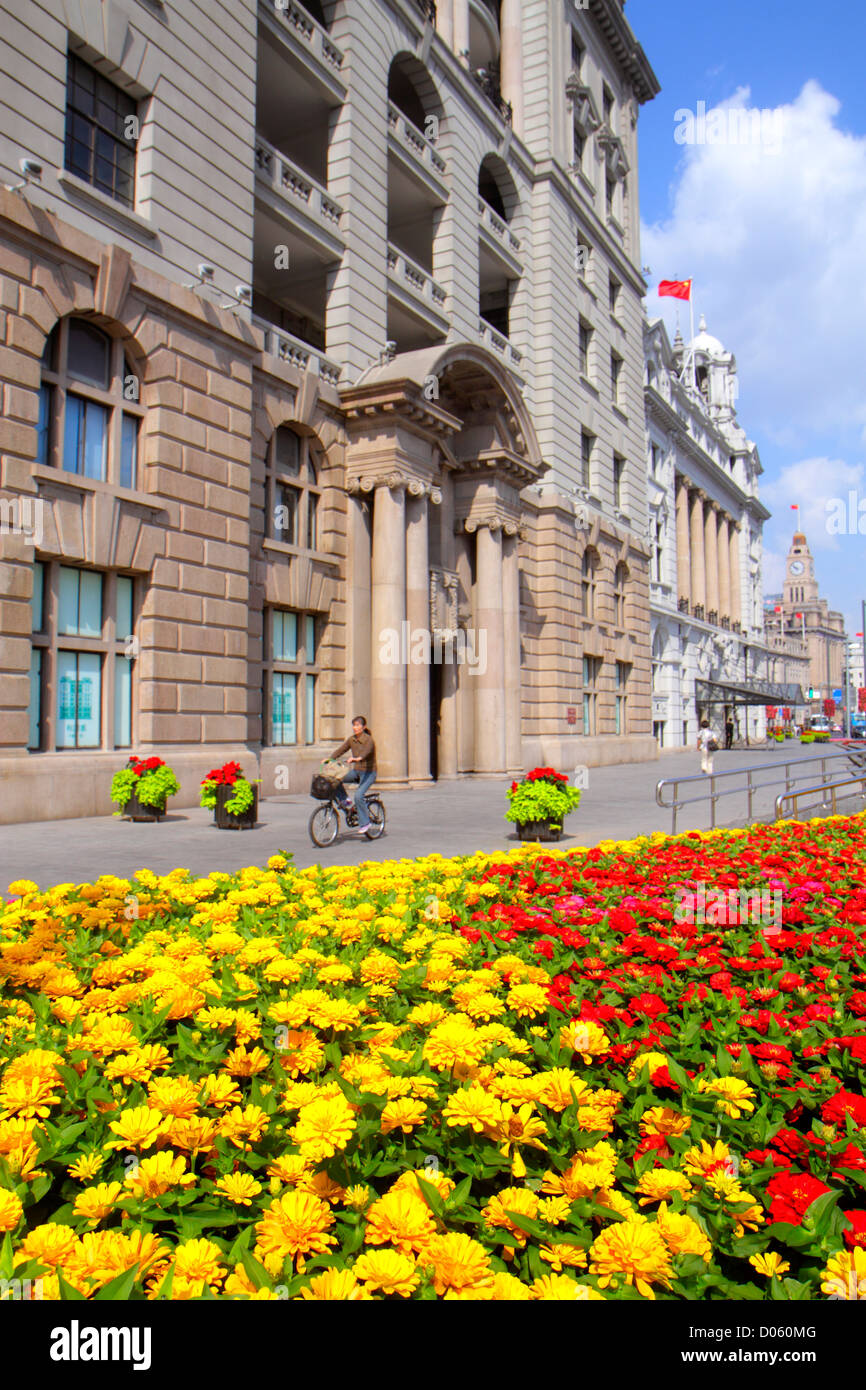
<point>363,752</point>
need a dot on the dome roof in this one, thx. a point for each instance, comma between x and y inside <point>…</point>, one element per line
<point>799,538</point>
<point>705,342</point>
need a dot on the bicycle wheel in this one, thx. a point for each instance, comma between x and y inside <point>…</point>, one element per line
<point>376,812</point>
<point>324,824</point>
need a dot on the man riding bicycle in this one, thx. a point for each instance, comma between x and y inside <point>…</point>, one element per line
<point>363,752</point>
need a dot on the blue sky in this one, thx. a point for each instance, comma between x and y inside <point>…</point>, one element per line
<point>773,233</point>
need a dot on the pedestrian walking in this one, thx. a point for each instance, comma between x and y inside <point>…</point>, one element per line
<point>729,732</point>
<point>707,745</point>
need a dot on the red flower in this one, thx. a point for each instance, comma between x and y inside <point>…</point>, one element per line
<point>792,1194</point>
<point>844,1103</point>
<point>857,1233</point>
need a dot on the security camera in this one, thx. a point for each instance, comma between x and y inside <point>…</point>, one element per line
<point>205,271</point>
<point>390,349</point>
<point>244,293</point>
<point>30,168</point>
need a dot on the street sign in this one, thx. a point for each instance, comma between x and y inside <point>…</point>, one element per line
<point>837,696</point>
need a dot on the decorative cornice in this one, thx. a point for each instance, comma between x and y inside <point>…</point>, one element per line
<point>396,401</point>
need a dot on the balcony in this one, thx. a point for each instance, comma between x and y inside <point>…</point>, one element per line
<point>415,289</point>
<point>308,41</point>
<point>487,79</point>
<point>713,617</point>
<point>499,344</point>
<point>496,234</point>
<point>682,605</point>
<point>412,146</point>
<point>306,202</point>
<point>296,353</point>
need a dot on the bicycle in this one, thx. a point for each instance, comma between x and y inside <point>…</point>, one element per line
<point>324,823</point>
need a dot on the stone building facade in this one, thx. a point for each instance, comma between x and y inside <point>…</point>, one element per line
<point>711,655</point>
<point>800,612</point>
<point>321,351</point>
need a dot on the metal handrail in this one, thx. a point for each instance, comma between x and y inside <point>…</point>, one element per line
<point>713,795</point>
<point>824,787</point>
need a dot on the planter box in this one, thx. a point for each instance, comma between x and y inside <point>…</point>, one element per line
<point>137,810</point>
<point>227,820</point>
<point>539,830</point>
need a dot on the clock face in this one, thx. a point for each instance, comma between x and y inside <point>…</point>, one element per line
<point>797,567</point>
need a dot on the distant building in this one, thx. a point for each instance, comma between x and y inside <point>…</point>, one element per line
<point>806,615</point>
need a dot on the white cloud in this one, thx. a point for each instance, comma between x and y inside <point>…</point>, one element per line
<point>811,482</point>
<point>773,236</point>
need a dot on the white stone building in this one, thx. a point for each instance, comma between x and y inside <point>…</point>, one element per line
<point>710,654</point>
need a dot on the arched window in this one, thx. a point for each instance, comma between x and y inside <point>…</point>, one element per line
<point>292,490</point>
<point>89,405</point>
<point>620,579</point>
<point>588,570</point>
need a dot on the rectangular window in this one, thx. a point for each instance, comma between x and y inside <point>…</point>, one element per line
<point>586,443</point>
<point>36,603</point>
<point>615,372</point>
<point>606,104</point>
<point>310,642</point>
<point>620,713</point>
<point>283,708</point>
<point>85,439</point>
<point>312,508</point>
<point>577,52</point>
<point>124,624</point>
<point>610,196</point>
<point>101,132</point>
<point>310,711</point>
<point>80,603</point>
<point>34,739</point>
<point>128,451</point>
<point>43,430</point>
<point>584,337</point>
<point>79,699</point>
<point>122,702</point>
<point>618,473</point>
<point>577,148</point>
<point>286,509</point>
<point>584,260</point>
<point>284,640</point>
<point>614,288</point>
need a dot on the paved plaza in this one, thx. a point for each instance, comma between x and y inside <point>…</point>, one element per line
<point>450,818</point>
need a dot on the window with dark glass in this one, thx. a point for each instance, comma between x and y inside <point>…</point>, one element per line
<point>291,675</point>
<point>292,490</point>
<point>101,131</point>
<point>89,405</point>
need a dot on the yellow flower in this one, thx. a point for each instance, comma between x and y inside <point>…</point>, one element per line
<point>735,1097</point>
<point>682,1234</point>
<point>653,1060</point>
<point>559,1088</point>
<point>137,1129</point>
<point>158,1175</point>
<point>519,1200</point>
<point>335,1285</point>
<point>475,1108</point>
<point>631,1253</point>
<point>10,1210</point>
<point>402,1114</point>
<point>324,1127</point>
<point>558,1288</point>
<point>401,1218</point>
<point>98,1202</point>
<point>705,1158</point>
<point>527,1000</point>
<point>239,1187</point>
<point>453,1042</point>
<point>844,1276</point>
<point>769,1264</point>
<point>559,1255</point>
<point>460,1265</point>
<point>554,1210</point>
<point>49,1244</point>
<point>659,1183</point>
<point>247,1124</point>
<point>661,1119</point>
<point>585,1037</point>
<point>296,1224</point>
<point>388,1271</point>
<point>86,1167</point>
<point>33,1096</point>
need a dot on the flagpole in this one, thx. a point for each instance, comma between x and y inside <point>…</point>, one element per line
<point>692,325</point>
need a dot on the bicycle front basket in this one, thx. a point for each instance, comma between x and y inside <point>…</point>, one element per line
<point>321,788</point>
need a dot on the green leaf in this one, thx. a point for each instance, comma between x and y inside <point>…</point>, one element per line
<point>67,1293</point>
<point>525,1223</point>
<point>431,1197</point>
<point>120,1288</point>
<point>6,1257</point>
<point>256,1271</point>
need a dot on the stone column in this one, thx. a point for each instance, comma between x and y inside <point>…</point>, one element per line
<point>698,565</point>
<point>734,549</point>
<point>388,618</point>
<point>461,29</point>
<point>511,641</point>
<point>358,643</point>
<point>418,615</point>
<point>489,683</point>
<point>711,554</point>
<point>684,575</point>
<point>445,21</point>
<point>511,60</point>
<point>724,568</point>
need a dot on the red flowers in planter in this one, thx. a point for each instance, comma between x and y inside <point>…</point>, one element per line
<point>226,775</point>
<point>142,765</point>
<point>544,774</point>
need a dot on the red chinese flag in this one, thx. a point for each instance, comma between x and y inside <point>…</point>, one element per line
<point>861,698</point>
<point>676,289</point>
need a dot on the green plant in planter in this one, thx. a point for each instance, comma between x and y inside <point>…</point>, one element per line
<point>229,775</point>
<point>807,738</point>
<point>542,795</point>
<point>150,779</point>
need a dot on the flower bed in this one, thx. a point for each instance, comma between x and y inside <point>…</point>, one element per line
<point>529,1076</point>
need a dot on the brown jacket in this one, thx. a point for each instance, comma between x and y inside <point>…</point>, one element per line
<point>363,748</point>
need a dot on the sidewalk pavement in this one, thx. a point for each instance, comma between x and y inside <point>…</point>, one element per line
<point>448,818</point>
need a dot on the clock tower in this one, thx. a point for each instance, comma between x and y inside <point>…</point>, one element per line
<point>801,586</point>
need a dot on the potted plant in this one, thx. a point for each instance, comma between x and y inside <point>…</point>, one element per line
<point>539,802</point>
<point>807,738</point>
<point>233,799</point>
<point>142,788</point>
